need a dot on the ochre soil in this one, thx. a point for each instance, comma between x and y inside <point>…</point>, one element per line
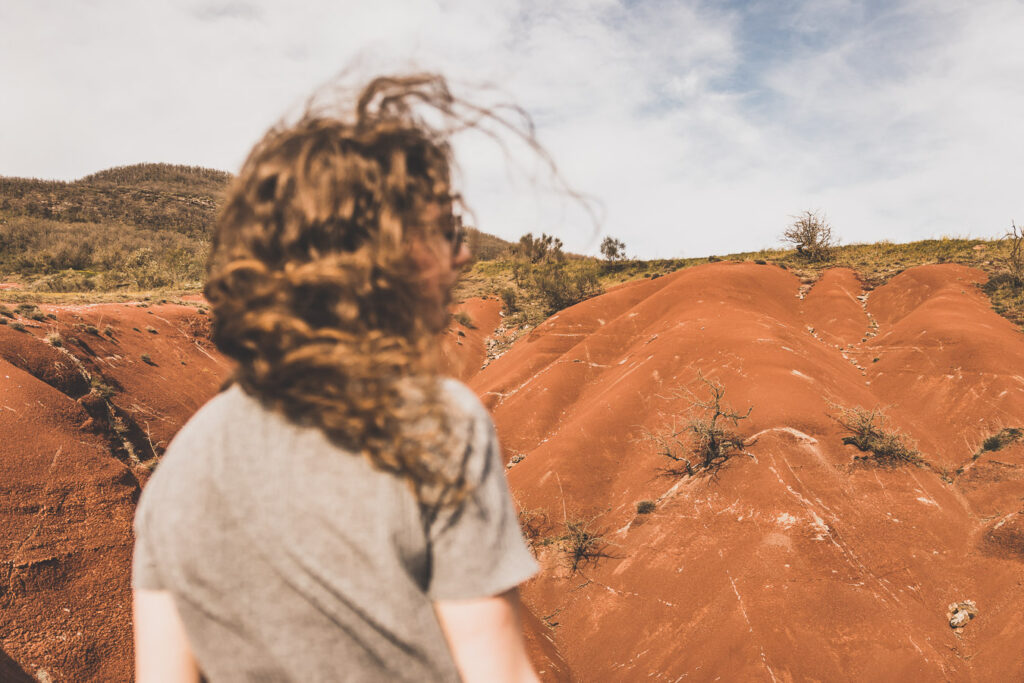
<point>792,562</point>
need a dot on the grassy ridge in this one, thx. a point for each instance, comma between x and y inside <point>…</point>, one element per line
<point>146,228</point>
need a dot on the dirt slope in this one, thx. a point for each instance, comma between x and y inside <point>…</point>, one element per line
<point>791,564</point>
<point>71,459</point>
<point>80,425</point>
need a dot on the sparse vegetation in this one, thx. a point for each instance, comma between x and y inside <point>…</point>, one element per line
<point>54,339</point>
<point>16,325</point>
<point>581,543</point>
<point>6,312</point>
<point>1015,258</point>
<point>705,442</point>
<point>464,319</point>
<point>509,300</point>
<point>811,236</point>
<point>558,285</point>
<point>147,359</point>
<point>645,507</point>
<point>535,526</point>
<point>869,433</point>
<point>1002,439</point>
<point>102,389</point>
<point>543,249</point>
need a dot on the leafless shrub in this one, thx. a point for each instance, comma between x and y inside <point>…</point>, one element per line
<point>581,543</point>
<point>706,441</point>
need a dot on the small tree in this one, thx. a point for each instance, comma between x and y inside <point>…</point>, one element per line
<point>811,235</point>
<point>613,250</point>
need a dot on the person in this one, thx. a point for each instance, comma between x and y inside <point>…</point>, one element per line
<point>339,511</point>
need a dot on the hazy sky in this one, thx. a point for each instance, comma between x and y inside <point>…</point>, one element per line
<point>700,126</point>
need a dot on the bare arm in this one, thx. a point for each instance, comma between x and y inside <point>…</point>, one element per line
<point>486,639</point>
<point>162,652</point>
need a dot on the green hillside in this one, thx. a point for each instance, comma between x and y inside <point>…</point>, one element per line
<point>128,231</point>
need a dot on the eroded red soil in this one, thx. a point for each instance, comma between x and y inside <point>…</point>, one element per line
<point>791,563</point>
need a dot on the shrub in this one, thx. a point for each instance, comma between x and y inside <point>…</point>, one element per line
<point>464,319</point>
<point>3,321</point>
<point>705,442</point>
<point>1002,439</point>
<point>581,544</point>
<point>104,390</point>
<point>18,326</point>
<point>868,432</point>
<point>1015,260</point>
<point>811,235</point>
<point>147,359</point>
<point>508,300</point>
<point>54,339</point>
<point>645,507</point>
<point>92,329</point>
<point>151,329</point>
<point>109,331</point>
<point>6,312</point>
<point>560,285</point>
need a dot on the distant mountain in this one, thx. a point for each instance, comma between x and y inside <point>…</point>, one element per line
<point>165,196</point>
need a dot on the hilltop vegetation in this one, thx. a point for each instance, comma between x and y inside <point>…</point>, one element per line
<point>145,227</point>
<point>139,227</point>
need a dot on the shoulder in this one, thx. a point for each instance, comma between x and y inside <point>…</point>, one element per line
<point>462,400</point>
<point>191,452</point>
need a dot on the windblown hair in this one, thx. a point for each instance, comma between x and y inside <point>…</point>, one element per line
<point>314,291</point>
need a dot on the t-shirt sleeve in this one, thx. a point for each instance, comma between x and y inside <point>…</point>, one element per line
<point>477,547</point>
<point>145,573</point>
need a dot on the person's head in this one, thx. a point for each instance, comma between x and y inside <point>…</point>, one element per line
<point>332,266</point>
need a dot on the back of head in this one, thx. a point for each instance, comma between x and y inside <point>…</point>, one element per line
<point>313,287</point>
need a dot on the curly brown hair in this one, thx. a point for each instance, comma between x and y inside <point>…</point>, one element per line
<point>313,287</point>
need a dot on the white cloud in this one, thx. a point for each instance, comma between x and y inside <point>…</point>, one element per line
<point>700,127</point>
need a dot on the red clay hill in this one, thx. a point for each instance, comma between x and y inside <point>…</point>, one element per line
<point>796,560</point>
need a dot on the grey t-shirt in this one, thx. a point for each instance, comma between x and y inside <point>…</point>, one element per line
<point>291,559</point>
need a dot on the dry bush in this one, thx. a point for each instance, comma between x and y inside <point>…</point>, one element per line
<point>645,507</point>
<point>811,235</point>
<point>1015,259</point>
<point>706,441</point>
<point>581,543</point>
<point>869,433</point>
<point>535,526</point>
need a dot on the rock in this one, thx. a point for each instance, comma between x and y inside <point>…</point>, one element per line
<point>961,612</point>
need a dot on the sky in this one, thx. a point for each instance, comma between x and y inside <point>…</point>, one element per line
<point>695,128</point>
